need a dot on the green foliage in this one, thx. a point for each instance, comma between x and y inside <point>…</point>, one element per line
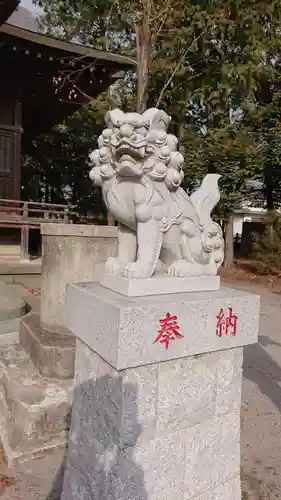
<point>210,64</point>
<point>214,97</point>
<point>268,128</point>
<point>60,161</point>
<point>229,151</point>
<point>267,247</point>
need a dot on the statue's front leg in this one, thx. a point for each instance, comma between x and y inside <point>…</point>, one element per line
<point>149,240</point>
<point>127,249</point>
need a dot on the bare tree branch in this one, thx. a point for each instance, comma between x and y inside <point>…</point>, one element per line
<point>170,79</point>
<point>162,15</point>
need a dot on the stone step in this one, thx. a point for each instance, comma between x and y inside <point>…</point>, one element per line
<point>10,253</point>
<point>9,260</point>
<point>9,256</point>
<point>34,411</point>
<point>13,249</point>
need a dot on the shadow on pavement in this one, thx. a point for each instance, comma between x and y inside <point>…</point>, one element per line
<point>263,370</point>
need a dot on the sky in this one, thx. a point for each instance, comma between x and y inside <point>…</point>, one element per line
<point>28,5</point>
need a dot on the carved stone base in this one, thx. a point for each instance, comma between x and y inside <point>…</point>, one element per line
<point>150,420</point>
<point>123,330</point>
<point>159,285</point>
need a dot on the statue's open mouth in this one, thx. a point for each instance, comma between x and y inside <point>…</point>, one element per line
<point>129,153</point>
<point>129,161</point>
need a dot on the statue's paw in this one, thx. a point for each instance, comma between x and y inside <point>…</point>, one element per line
<point>184,269</point>
<point>113,266</point>
<point>135,270</point>
<point>177,269</point>
<point>211,269</point>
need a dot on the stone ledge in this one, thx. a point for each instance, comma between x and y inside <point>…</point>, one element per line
<point>20,268</point>
<point>52,354</point>
<point>11,305</point>
<point>123,331</point>
<point>159,285</point>
<point>81,230</point>
<point>9,329</point>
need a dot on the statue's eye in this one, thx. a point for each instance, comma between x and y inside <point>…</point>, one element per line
<point>140,131</point>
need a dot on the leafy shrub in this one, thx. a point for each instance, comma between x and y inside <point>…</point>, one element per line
<point>267,247</point>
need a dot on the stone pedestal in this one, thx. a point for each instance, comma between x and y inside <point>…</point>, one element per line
<point>70,254</point>
<point>156,408</point>
<point>36,376</point>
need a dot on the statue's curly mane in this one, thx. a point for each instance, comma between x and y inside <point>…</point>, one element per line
<point>133,146</point>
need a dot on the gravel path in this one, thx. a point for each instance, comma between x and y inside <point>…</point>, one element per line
<point>260,417</point>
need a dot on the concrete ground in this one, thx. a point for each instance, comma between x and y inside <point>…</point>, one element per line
<point>260,416</point>
<point>261,406</point>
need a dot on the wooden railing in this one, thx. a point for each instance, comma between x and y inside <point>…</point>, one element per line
<point>30,214</point>
<point>35,212</point>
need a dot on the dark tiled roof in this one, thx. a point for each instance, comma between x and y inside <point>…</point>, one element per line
<point>7,7</point>
<point>71,48</point>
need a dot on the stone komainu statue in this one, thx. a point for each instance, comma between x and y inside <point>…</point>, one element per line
<point>160,227</point>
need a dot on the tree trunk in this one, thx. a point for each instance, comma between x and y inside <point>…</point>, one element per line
<point>269,189</point>
<point>144,57</point>
<point>269,198</point>
<point>229,247</point>
<point>142,83</point>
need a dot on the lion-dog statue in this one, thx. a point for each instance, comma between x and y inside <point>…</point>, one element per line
<point>161,228</point>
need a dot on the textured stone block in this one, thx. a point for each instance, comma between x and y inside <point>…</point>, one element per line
<point>11,305</point>
<point>70,253</point>
<point>123,331</point>
<point>186,393</point>
<point>163,462</point>
<point>213,454</point>
<point>126,393</point>
<point>229,381</point>
<point>150,423</point>
<point>228,491</point>
<point>153,432</point>
<point>52,354</point>
<point>34,411</point>
<point>142,402</point>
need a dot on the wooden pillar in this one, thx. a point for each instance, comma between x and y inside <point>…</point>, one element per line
<point>17,144</point>
<point>24,249</point>
<point>24,246</point>
<point>66,216</point>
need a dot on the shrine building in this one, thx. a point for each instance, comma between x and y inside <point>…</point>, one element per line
<point>43,80</point>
